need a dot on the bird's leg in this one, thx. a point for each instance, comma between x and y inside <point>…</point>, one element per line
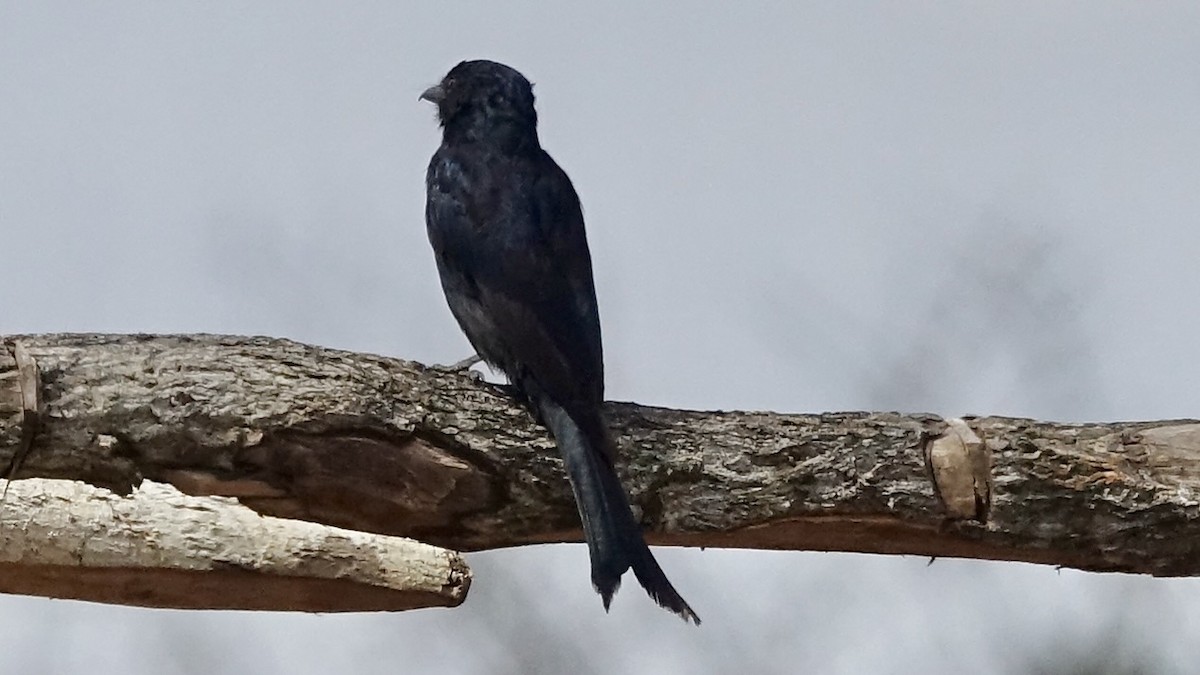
<point>511,390</point>
<point>459,366</point>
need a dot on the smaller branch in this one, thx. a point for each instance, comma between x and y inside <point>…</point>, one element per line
<point>161,548</point>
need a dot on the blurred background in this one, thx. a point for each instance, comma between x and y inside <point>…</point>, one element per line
<point>983,209</point>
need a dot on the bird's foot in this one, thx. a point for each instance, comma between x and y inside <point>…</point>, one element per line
<point>509,390</point>
<point>461,368</point>
<point>458,366</point>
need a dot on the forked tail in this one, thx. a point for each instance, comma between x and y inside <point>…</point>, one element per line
<point>614,537</point>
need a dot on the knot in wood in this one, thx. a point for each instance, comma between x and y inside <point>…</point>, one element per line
<point>960,466</point>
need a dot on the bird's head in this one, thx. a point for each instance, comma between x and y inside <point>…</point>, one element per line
<point>478,96</point>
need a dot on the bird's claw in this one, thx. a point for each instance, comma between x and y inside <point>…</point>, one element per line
<point>461,368</point>
<point>458,366</point>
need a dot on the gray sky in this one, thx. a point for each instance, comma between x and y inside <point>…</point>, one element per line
<point>826,206</point>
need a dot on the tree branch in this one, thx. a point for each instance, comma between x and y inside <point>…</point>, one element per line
<point>160,548</point>
<point>388,446</point>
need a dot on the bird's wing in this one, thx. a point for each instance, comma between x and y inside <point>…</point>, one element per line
<point>510,241</point>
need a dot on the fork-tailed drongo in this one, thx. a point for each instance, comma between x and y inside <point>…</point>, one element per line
<point>507,231</point>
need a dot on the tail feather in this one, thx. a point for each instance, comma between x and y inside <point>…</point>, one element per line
<point>614,537</point>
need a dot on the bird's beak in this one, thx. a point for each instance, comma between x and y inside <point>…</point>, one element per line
<point>434,94</point>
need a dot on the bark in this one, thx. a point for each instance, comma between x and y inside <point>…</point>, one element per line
<point>160,548</point>
<point>389,446</point>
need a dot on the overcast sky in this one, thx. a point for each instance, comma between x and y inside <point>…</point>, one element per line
<point>792,206</point>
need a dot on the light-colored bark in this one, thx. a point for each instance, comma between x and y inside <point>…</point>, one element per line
<point>389,446</point>
<point>157,547</point>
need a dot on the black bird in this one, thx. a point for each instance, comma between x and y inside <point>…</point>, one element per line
<point>507,231</point>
